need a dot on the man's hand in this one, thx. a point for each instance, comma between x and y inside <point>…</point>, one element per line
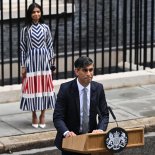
<point>98,131</point>
<point>70,134</point>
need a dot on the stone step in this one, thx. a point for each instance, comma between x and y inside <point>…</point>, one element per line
<point>41,151</point>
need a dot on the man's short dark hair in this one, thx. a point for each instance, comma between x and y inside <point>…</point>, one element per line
<point>83,62</point>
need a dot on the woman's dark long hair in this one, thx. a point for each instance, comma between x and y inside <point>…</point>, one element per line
<point>29,13</point>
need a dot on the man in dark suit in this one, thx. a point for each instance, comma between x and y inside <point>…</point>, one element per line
<point>78,103</point>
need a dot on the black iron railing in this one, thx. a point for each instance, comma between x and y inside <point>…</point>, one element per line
<point>118,35</point>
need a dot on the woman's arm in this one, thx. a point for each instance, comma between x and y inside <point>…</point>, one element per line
<point>23,50</point>
<point>49,43</point>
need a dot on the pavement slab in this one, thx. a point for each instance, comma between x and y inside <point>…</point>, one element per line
<point>8,130</point>
<point>129,93</point>
<point>122,115</point>
<point>22,123</point>
<point>10,108</point>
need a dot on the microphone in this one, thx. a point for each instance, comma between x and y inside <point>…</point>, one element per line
<point>113,115</point>
<point>111,112</point>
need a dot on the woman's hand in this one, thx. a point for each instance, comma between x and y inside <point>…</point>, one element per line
<point>23,72</point>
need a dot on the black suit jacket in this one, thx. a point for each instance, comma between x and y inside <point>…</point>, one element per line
<point>67,109</point>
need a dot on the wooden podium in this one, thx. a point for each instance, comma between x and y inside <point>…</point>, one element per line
<point>94,143</point>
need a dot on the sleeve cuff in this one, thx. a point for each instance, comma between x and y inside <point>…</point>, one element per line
<point>65,133</point>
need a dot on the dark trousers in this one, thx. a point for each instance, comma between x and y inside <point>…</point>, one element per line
<point>71,153</point>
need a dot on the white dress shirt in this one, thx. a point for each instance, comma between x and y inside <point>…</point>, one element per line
<point>80,88</point>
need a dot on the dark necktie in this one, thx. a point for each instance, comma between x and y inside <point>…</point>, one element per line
<point>85,118</point>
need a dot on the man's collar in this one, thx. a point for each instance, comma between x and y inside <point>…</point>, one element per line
<point>80,87</point>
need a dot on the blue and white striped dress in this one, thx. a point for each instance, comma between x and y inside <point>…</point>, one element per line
<point>36,49</point>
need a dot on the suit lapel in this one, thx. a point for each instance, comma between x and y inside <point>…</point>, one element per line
<point>76,96</point>
<point>92,92</point>
<point>93,97</point>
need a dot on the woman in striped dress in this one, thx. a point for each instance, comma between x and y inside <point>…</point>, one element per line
<point>36,49</point>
